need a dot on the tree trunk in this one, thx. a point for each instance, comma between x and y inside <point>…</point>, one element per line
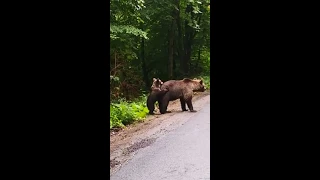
<point>187,57</point>
<point>174,68</point>
<point>180,38</point>
<point>190,34</point>
<point>199,59</point>
<point>144,66</point>
<point>187,47</point>
<point>171,50</point>
<point>199,53</point>
<point>188,39</point>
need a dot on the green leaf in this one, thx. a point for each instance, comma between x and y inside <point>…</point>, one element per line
<point>127,29</point>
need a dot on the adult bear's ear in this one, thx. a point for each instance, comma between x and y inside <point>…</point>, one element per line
<point>201,82</point>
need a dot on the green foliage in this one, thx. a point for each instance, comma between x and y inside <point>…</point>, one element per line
<point>125,17</point>
<point>114,30</point>
<point>124,112</point>
<point>114,79</point>
<point>206,80</point>
<point>148,39</point>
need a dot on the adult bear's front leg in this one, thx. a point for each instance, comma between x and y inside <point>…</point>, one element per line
<point>190,106</point>
<point>183,104</point>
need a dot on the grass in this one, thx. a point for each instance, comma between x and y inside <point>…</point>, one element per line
<point>124,113</point>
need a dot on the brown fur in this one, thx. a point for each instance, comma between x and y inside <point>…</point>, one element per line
<point>155,94</point>
<point>180,89</point>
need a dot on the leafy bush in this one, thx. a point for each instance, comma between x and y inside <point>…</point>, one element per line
<point>206,80</point>
<point>124,112</point>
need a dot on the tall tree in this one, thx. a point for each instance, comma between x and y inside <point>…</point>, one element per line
<point>165,39</point>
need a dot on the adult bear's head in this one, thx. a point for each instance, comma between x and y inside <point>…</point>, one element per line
<point>197,85</point>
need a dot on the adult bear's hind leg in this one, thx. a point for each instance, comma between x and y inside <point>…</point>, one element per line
<point>163,103</point>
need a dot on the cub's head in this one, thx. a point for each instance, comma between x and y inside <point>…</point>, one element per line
<point>156,84</point>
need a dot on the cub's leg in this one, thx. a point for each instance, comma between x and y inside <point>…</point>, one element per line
<point>150,104</point>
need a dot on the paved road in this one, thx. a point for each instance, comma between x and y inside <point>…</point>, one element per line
<point>182,154</point>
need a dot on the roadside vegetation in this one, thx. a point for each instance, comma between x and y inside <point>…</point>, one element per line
<point>163,39</point>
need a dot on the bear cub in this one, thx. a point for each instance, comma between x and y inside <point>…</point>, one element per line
<point>156,93</point>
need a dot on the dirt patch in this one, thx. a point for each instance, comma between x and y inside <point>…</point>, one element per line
<point>124,143</point>
<point>138,145</point>
<point>113,163</point>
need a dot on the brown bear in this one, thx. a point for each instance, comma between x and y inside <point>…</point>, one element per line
<point>180,89</point>
<point>156,94</point>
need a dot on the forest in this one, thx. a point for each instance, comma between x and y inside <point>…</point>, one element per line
<point>167,39</point>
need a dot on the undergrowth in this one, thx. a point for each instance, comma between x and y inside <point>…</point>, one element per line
<point>123,112</point>
<point>206,80</point>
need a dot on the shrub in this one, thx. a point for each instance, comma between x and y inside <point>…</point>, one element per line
<point>124,112</point>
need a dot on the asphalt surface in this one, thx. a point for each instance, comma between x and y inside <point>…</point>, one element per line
<point>182,154</point>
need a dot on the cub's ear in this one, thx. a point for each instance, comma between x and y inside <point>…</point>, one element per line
<point>154,79</point>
